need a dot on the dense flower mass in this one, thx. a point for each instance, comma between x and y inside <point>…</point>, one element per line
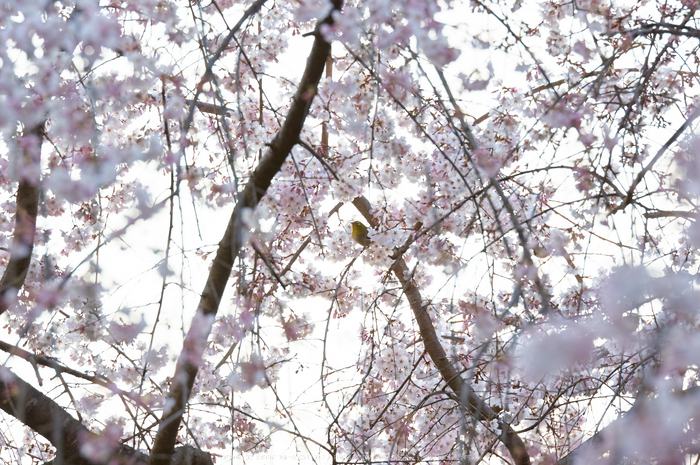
<point>178,181</point>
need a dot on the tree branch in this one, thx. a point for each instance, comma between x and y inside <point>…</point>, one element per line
<point>59,368</point>
<point>230,245</point>
<point>21,400</point>
<point>630,192</point>
<point>25,217</point>
<point>211,108</point>
<point>471,401</point>
<point>671,214</point>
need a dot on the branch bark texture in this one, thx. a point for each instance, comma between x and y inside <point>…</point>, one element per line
<point>25,216</point>
<point>476,406</point>
<point>33,408</point>
<point>21,400</point>
<point>230,245</point>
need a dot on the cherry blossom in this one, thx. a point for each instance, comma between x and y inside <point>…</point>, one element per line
<point>178,180</point>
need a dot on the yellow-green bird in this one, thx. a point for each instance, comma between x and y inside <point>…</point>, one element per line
<point>359,234</point>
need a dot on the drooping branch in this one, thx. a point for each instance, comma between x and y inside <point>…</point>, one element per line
<point>229,247</point>
<point>25,216</point>
<point>476,406</point>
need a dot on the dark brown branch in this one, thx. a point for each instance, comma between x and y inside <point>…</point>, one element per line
<point>671,214</point>
<point>44,361</point>
<point>21,400</point>
<point>295,256</point>
<point>264,253</point>
<point>25,219</point>
<point>659,28</point>
<point>230,245</point>
<point>43,415</point>
<point>476,406</point>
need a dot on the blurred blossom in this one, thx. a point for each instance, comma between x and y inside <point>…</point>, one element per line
<point>556,346</point>
<point>126,332</point>
<point>248,374</point>
<point>99,448</point>
<point>687,181</point>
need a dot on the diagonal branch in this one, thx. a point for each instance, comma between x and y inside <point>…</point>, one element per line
<point>630,192</point>
<point>25,217</point>
<point>33,408</point>
<point>472,402</point>
<point>230,245</point>
<point>48,419</point>
<point>59,368</point>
